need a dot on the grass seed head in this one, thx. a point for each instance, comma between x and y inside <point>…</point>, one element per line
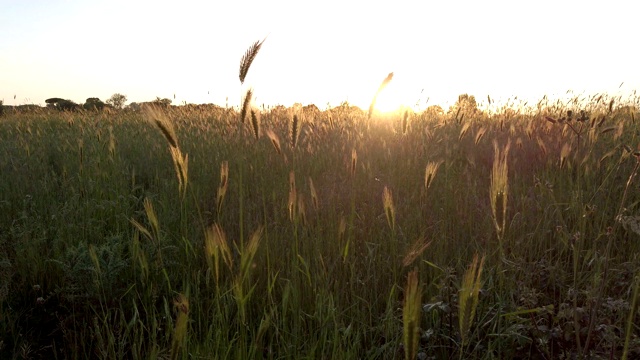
<point>275,141</point>
<point>255,123</point>
<point>247,59</point>
<point>469,297</point>
<point>246,103</point>
<point>295,130</point>
<point>389,208</point>
<point>158,116</point>
<point>224,183</point>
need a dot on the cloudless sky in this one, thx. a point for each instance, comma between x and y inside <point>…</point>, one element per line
<point>315,51</point>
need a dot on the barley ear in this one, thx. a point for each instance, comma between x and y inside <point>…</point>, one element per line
<point>248,58</point>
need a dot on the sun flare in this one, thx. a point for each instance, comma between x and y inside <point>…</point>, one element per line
<point>390,100</point>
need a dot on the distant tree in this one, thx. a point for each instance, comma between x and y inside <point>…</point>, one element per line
<point>1,107</point>
<point>93,104</point>
<point>162,102</point>
<point>434,111</point>
<point>62,104</point>
<point>466,106</point>
<point>134,106</point>
<point>117,100</point>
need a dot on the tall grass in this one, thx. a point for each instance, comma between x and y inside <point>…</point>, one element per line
<point>122,237</point>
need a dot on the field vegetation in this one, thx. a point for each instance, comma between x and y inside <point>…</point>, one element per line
<point>178,232</point>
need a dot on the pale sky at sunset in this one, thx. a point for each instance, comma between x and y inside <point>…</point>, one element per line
<point>315,52</point>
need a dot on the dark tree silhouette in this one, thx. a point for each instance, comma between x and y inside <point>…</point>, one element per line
<point>63,104</point>
<point>93,104</point>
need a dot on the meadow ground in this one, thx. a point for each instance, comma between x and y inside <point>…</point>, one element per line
<point>185,233</point>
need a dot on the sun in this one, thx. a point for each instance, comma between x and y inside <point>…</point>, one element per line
<point>390,100</point>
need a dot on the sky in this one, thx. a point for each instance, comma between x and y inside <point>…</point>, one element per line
<point>320,52</point>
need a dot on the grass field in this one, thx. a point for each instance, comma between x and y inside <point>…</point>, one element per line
<point>185,233</point>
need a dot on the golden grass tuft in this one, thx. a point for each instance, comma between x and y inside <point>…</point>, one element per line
<point>247,59</point>
<point>411,312</point>
<point>430,173</point>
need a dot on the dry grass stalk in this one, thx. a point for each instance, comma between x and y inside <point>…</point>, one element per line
<point>224,183</point>
<point>246,103</point>
<point>255,123</point>
<point>499,188</point>
<point>384,84</point>
<point>389,207</point>
<point>247,59</point>
<point>469,297</point>
<point>411,315</point>
<point>416,249</point>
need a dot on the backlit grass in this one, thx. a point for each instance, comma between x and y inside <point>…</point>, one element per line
<point>182,233</point>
